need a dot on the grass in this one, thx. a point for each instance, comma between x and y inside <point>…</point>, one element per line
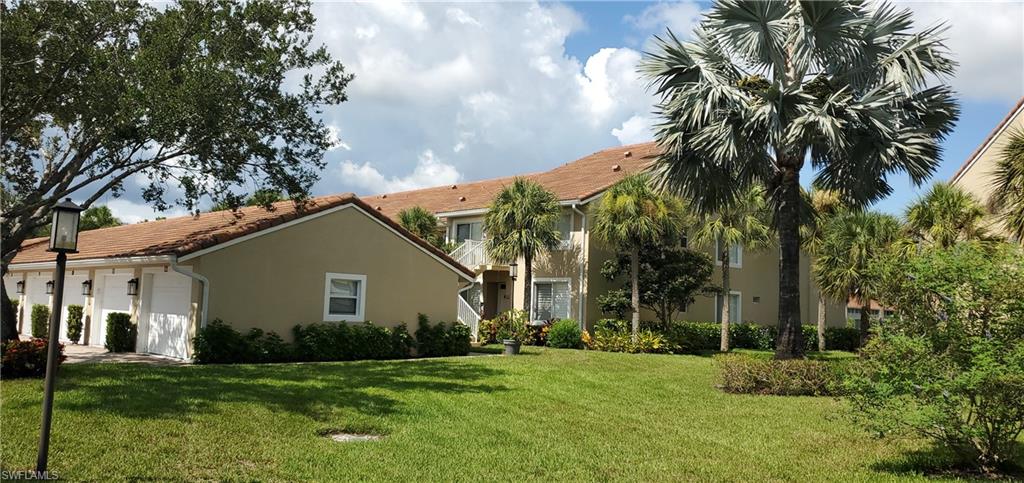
<point>547,414</point>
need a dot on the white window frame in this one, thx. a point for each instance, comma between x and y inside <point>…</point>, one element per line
<point>454,230</point>
<point>533,293</point>
<point>734,262</point>
<point>739,307</point>
<point>360,299</point>
<point>565,243</point>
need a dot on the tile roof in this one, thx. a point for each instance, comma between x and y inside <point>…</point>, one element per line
<point>577,180</point>
<point>981,147</point>
<point>187,234</point>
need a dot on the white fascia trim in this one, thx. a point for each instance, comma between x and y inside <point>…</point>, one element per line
<point>94,262</point>
<point>985,148</point>
<point>313,217</point>
<point>592,198</point>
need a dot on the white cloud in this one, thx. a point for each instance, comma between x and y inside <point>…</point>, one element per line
<point>680,17</point>
<point>429,171</point>
<point>987,38</point>
<point>609,80</point>
<point>636,129</point>
<point>368,32</point>
<point>334,137</point>
<point>131,212</point>
<point>460,16</point>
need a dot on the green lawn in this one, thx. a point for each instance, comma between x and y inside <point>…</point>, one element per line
<point>547,414</point>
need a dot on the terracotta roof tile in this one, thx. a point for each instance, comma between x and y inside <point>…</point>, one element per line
<point>577,180</point>
<point>187,234</point>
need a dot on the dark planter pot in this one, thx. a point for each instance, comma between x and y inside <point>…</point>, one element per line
<point>511,347</point>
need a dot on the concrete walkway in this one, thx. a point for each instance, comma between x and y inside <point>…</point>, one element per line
<point>83,354</point>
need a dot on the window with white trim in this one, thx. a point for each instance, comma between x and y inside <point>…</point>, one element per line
<point>735,308</point>
<point>564,228</point>
<point>469,231</point>
<point>735,254</point>
<point>344,297</point>
<point>550,299</point>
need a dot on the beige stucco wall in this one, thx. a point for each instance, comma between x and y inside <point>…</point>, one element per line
<point>277,280</point>
<point>978,177</point>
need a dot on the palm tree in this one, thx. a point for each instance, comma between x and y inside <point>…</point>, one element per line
<point>945,215</point>
<point>744,223</point>
<point>632,214</point>
<point>825,205</point>
<point>1008,190</point>
<point>422,223</point>
<point>766,85</point>
<point>850,242</point>
<point>521,222</point>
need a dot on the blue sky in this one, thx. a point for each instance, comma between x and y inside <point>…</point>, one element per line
<point>454,92</point>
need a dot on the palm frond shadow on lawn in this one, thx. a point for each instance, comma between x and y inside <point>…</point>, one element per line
<point>140,391</point>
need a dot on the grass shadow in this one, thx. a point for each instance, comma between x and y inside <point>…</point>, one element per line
<point>942,463</point>
<point>311,389</point>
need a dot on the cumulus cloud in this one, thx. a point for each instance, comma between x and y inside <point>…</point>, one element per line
<point>132,212</point>
<point>334,137</point>
<point>429,171</point>
<point>636,129</point>
<point>680,17</point>
<point>987,38</point>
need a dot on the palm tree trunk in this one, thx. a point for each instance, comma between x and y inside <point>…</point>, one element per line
<point>634,274</point>
<point>528,281</point>
<point>821,323</point>
<point>790,342</point>
<point>725,301</point>
<point>865,320</point>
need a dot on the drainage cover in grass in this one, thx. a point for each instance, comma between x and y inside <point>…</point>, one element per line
<point>342,436</point>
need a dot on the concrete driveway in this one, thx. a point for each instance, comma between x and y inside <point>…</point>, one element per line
<point>83,354</point>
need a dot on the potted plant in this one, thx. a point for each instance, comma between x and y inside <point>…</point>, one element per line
<point>513,330</point>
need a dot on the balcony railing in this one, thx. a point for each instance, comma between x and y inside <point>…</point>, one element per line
<point>469,317</point>
<point>471,254</point>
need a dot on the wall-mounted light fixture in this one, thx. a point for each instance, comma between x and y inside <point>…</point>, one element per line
<point>49,287</point>
<point>20,287</point>
<point>513,270</point>
<point>133,287</point>
<point>87,287</point>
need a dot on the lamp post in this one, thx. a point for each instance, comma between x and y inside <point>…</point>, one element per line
<point>63,240</point>
<point>513,270</point>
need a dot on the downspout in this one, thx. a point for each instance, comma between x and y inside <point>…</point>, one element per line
<point>202,280</point>
<point>583,256</point>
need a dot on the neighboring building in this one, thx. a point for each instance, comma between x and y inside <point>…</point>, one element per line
<point>567,280</point>
<point>333,259</point>
<point>976,174</point>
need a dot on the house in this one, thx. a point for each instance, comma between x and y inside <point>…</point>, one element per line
<point>976,174</point>
<point>332,259</point>
<point>567,280</point>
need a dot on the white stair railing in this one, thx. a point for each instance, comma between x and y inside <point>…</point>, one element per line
<point>471,254</point>
<point>469,317</point>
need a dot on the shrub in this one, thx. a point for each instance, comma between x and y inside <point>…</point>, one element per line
<point>693,337</point>
<point>487,331</point>
<point>565,334</point>
<point>842,339</point>
<point>441,340</point>
<point>260,346</point>
<point>610,338</point>
<point>753,375</point>
<point>26,358</point>
<point>74,323</point>
<point>949,366</point>
<point>511,324</point>
<point>121,332</point>
<point>218,343</point>
<point>402,343</point>
<point>40,321</point>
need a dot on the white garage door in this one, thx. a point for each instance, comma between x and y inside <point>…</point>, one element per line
<point>35,293</point>
<point>72,296</point>
<point>113,297</point>
<point>168,306</point>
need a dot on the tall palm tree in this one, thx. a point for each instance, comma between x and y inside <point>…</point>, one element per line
<point>945,215</point>
<point>850,242</point>
<point>1008,192</point>
<point>743,223</point>
<point>522,222</point>
<point>422,223</point>
<point>825,205</point>
<point>632,214</point>
<point>765,85</point>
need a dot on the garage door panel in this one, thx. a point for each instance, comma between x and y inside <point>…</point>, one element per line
<point>113,297</point>
<point>35,293</point>
<point>170,301</point>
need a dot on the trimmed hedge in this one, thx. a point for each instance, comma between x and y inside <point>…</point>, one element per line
<point>74,323</point>
<point>565,334</point>
<point>691,337</point>
<point>219,343</point>
<point>121,333</point>
<point>40,321</point>
<point>797,377</point>
<point>26,358</point>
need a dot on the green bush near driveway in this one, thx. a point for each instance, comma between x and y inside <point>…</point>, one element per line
<point>121,332</point>
<point>40,321</point>
<point>74,323</point>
